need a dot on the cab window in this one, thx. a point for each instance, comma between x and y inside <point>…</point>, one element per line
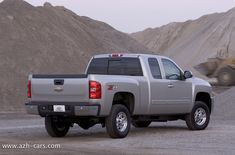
<point>154,68</point>
<point>171,70</point>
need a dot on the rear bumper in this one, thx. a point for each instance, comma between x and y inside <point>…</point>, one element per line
<point>71,108</point>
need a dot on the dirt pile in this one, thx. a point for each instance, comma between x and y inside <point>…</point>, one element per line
<point>225,105</point>
<point>192,42</point>
<point>49,39</point>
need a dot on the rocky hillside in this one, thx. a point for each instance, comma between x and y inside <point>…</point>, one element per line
<point>192,42</point>
<point>49,39</point>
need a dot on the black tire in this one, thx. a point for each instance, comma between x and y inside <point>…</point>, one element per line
<point>112,128</point>
<point>226,76</point>
<point>141,124</point>
<point>196,122</point>
<point>56,128</point>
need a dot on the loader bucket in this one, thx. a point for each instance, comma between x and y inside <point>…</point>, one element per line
<point>206,68</point>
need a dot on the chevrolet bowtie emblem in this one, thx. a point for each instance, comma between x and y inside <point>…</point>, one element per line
<point>58,88</point>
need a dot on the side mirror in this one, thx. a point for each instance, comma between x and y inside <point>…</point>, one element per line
<point>188,74</point>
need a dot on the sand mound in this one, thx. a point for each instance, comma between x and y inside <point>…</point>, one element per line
<point>192,42</point>
<point>225,105</point>
<point>49,39</point>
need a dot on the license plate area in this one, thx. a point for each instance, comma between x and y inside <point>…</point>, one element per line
<point>59,108</point>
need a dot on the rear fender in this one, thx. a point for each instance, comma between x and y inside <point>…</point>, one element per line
<point>109,89</point>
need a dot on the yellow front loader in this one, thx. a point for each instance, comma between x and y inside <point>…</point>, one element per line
<point>222,69</point>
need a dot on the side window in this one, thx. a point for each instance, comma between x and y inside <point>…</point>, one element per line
<point>155,69</point>
<point>171,70</point>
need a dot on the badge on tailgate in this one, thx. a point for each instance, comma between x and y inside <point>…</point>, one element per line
<point>58,88</point>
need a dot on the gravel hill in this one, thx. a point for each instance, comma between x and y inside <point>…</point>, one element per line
<point>49,39</point>
<point>225,105</point>
<point>192,42</point>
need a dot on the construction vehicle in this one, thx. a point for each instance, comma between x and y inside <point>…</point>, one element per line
<point>221,68</point>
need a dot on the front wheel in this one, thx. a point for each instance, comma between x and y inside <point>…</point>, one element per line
<point>118,122</point>
<point>199,117</point>
<point>56,128</point>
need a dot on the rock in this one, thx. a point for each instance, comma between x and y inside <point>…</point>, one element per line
<point>10,17</point>
<point>47,5</point>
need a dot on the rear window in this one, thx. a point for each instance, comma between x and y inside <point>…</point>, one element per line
<point>98,66</point>
<point>115,66</point>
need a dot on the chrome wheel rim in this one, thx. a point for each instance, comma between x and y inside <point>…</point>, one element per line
<point>121,121</point>
<point>200,116</point>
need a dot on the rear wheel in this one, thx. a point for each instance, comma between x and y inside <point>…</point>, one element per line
<point>118,122</point>
<point>56,128</point>
<point>226,76</point>
<point>141,124</point>
<point>199,117</point>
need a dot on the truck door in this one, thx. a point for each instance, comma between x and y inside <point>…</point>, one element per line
<point>178,94</point>
<point>157,88</point>
<point>170,94</point>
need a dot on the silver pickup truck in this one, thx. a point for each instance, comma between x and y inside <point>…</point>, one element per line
<point>118,90</point>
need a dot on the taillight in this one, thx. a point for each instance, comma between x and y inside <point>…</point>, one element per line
<point>29,89</point>
<point>94,90</point>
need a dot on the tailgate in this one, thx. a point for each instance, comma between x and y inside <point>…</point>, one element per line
<point>59,88</point>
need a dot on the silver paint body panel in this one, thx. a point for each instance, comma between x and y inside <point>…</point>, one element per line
<point>151,96</point>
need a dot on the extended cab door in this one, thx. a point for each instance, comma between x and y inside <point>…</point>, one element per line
<point>170,93</point>
<point>178,96</point>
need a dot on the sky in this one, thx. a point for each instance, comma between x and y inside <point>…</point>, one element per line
<point>136,15</point>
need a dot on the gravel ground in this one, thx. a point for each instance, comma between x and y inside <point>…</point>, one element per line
<point>159,138</point>
<point>225,105</point>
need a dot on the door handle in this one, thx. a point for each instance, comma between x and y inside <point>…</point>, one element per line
<point>58,82</point>
<point>170,85</point>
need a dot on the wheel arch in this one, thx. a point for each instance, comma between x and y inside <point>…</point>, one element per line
<point>125,98</point>
<point>204,97</point>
